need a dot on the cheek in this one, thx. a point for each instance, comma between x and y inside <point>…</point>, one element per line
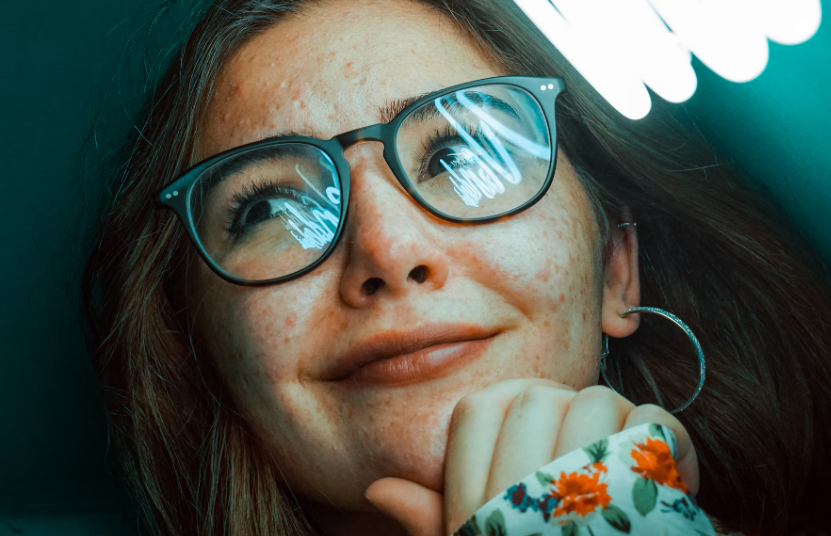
<point>542,258</point>
<point>544,263</point>
<point>259,338</point>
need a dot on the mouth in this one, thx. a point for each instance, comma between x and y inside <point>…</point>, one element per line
<point>402,357</point>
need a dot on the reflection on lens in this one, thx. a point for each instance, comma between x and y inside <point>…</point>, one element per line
<point>478,152</point>
<point>269,212</point>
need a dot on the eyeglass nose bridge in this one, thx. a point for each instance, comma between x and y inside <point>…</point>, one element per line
<point>370,133</point>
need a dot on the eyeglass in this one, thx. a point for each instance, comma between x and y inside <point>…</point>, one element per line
<point>274,210</point>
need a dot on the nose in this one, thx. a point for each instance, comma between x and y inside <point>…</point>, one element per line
<point>391,243</point>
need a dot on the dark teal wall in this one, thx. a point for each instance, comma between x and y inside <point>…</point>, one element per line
<point>778,127</point>
<point>59,55</point>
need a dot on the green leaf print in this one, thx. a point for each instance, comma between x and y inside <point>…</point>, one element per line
<point>616,518</point>
<point>544,478</point>
<point>598,450</point>
<point>495,524</point>
<point>644,495</point>
<point>657,430</point>
<point>471,527</point>
<point>571,529</point>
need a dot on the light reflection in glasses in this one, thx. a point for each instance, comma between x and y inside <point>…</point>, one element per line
<point>313,234</point>
<point>471,185</point>
<point>535,149</point>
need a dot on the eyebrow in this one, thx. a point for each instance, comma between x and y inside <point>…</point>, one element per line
<point>234,165</point>
<point>429,110</point>
<point>392,108</point>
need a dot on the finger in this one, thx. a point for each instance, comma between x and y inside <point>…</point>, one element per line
<point>595,413</point>
<point>416,508</point>
<point>686,460</point>
<point>474,429</point>
<point>528,435</point>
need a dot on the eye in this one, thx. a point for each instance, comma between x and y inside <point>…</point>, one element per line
<point>442,150</point>
<point>451,156</point>
<point>263,210</point>
<point>261,203</point>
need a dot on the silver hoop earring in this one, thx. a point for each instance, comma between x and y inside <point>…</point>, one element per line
<point>680,324</point>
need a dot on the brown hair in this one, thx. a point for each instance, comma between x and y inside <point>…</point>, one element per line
<point>713,250</point>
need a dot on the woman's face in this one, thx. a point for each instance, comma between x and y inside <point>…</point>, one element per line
<point>518,298</point>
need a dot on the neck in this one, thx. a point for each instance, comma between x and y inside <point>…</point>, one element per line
<point>331,521</point>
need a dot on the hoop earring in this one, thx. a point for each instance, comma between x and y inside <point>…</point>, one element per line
<point>680,324</point>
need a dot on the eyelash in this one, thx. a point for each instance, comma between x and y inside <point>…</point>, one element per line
<point>245,199</point>
<point>438,141</point>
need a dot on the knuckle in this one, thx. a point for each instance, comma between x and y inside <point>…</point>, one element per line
<point>647,412</point>
<point>469,406</point>
<point>600,395</point>
<point>544,395</point>
<point>535,395</point>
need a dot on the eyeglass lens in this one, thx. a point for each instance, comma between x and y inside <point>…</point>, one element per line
<point>470,154</point>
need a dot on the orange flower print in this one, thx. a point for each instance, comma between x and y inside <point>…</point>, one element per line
<point>598,466</point>
<point>579,494</point>
<point>655,462</point>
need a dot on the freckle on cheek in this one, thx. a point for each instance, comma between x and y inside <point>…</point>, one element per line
<point>562,297</point>
<point>290,319</point>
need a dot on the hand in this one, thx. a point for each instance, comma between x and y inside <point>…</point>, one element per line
<point>505,432</point>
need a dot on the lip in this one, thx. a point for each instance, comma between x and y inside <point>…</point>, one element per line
<point>400,357</point>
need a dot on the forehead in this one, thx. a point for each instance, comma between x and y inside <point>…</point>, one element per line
<point>333,67</point>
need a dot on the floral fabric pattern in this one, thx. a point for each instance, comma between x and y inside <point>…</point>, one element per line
<point>627,483</point>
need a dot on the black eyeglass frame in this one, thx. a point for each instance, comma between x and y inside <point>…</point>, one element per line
<point>176,194</point>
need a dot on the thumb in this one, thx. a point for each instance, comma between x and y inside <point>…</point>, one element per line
<point>418,509</point>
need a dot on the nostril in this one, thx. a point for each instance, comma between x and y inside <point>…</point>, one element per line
<point>371,286</point>
<point>419,274</point>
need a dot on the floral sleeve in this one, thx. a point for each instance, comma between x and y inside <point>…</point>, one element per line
<point>624,484</point>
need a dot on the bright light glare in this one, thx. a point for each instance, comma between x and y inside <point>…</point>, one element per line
<point>622,46</point>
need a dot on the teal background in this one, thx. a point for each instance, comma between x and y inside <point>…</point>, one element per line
<point>58,73</point>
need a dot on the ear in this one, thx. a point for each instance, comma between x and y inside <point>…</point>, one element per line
<point>621,285</point>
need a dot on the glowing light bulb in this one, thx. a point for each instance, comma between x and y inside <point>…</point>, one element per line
<point>622,46</point>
